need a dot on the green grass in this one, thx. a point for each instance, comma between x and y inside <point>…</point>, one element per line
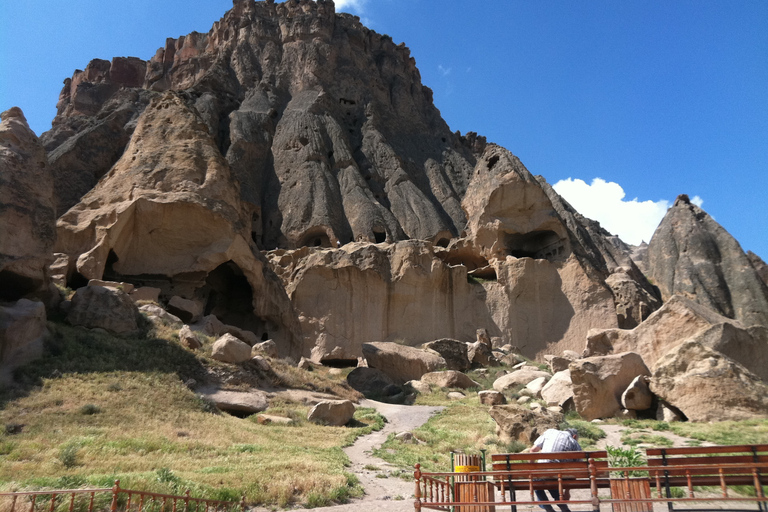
<point>99,408</point>
<point>725,432</point>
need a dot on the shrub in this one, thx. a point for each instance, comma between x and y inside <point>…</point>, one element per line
<point>89,409</point>
<point>68,456</point>
<point>625,457</point>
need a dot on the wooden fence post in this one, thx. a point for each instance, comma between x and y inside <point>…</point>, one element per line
<point>417,494</point>
<point>115,491</point>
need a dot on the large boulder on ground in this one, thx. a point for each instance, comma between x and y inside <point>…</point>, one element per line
<point>708,386</point>
<point>229,349</point>
<point>449,379</point>
<point>28,213</point>
<point>371,382</point>
<point>519,378</point>
<point>401,363</point>
<point>489,397</point>
<point>598,382</point>
<point>559,390</point>
<point>560,363</point>
<point>453,351</point>
<point>332,412</point>
<point>189,338</point>
<point>692,255</point>
<point>23,331</point>
<point>238,402</point>
<point>519,423</point>
<point>481,355</point>
<point>106,308</point>
<point>190,311</point>
<point>638,396</point>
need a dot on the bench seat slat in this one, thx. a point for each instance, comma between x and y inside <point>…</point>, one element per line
<point>705,450</point>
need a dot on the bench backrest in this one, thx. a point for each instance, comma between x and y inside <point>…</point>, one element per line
<point>707,460</point>
<point>572,462</point>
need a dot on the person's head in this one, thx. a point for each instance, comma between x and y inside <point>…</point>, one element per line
<point>573,432</point>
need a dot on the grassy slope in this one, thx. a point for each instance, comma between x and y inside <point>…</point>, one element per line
<point>100,408</point>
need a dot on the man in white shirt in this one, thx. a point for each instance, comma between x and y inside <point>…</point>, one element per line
<point>552,441</point>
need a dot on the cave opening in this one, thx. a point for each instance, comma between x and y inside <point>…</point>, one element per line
<point>109,271</point>
<point>537,244</point>
<point>379,236</point>
<point>315,238</point>
<point>14,286</point>
<point>339,363</point>
<point>230,298</point>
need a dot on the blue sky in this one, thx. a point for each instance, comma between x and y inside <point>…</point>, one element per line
<point>621,105</point>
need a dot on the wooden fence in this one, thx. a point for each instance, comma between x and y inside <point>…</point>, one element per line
<point>121,500</point>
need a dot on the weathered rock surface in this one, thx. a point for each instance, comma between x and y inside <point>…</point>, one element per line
<point>453,351</point>
<point>518,423</point>
<point>371,382</point>
<point>169,214</point>
<point>638,396</point>
<point>229,349</point>
<point>519,378</point>
<point>680,320</point>
<point>249,402</point>
<point>490,398</point>
<point>708,386</point>
<point>692,255</point>
<point>559,390</point>
<point>598,382</point>
<point>189,338</point>
<point>760,266</point>
<point>449,379</point>
<point>27,212</point>
<point>23,331</point>
<point>105,308</point>
<point>332,412</point>
<point>401,363</point>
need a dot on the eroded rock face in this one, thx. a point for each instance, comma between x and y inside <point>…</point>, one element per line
<point>518,423</point>
<point>692,255</point>
<point>708,386</point>
<point>27,212</point>
<point>449,379</point>
<point>23,331</point>
<point>169,214</point>
<point>325,124</point>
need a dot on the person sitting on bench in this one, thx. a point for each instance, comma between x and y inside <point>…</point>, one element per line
<point>552,441</point>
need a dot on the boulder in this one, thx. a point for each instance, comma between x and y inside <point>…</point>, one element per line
<point>126,287</point>
<point>449,379</point>
<point>599,381</point>
<point>536,385</point>
<point>190,311</point>
<point>705,385</point>
<point>559,390</point>
<point>107,308</point>
<point>249,402</point>
<point>229,349</point>
<point>453,351</point>
<point>189,339</point>
<point>638,396</point>
<point>676,321</point>
<point>480,355</point>
<point>491,398</point>
<point>158,314</point>
<point>634,302</point>
<point>271,419</point>
<point>560,363</point>
<point>519,423</point>
<point>267,348</point>
<point>332,412</point>
<point>418,386</point>
<point>519,378</point>
<point>146,293</point>
<point>28,213</point>
<point>401,363</point>
<point>690,254</point>
<point>483,337</point>
<point>260,363</point>
<point>455,395</point>
<point>23,331</point>
<point>666,412</point>
<point>369,381</point>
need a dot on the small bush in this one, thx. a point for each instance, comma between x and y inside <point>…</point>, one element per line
<point>68,456</point>
<point>90,409</point>
<point>625,457</point>
<point>515,446</point>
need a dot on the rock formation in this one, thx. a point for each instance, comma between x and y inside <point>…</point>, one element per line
<point>692,255</point>
<point>27,212</point>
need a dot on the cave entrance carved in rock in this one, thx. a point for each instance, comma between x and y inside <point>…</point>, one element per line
<point>230,299</point>
<point>544,245</point>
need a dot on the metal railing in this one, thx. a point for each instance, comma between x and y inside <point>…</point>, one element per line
<point>122,500</point>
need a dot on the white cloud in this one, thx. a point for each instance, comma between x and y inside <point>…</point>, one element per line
<point>444,71</point>
<point>633,221</point>
<point>355,6</point>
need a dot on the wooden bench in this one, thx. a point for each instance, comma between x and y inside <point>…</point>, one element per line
<point>538,471</point>
<point>709,466</point>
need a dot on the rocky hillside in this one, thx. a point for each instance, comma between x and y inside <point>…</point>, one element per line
<point>287,176</point>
